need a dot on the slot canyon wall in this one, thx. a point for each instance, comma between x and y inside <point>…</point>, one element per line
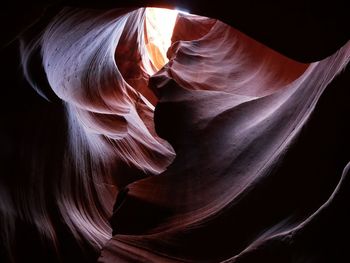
<point>236,150</point>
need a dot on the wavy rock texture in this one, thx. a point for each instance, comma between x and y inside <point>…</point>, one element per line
<point>249,182</point>
<point>231,108</point>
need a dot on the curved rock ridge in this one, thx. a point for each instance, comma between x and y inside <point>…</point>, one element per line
<point>231,152</point>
